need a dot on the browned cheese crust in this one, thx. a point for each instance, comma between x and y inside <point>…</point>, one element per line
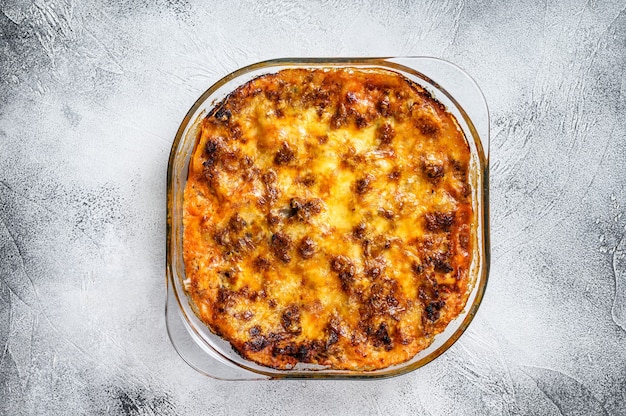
<point>328,219</point>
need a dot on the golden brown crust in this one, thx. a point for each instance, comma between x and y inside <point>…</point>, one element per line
<point>328,218</point>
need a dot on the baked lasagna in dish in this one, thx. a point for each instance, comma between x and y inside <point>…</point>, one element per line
<point>328,219</point>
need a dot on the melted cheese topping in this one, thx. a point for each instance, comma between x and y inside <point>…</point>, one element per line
<point>328,219</point>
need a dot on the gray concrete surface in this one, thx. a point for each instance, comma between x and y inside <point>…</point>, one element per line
<point>91,95</point>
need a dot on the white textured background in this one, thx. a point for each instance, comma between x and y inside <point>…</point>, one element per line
<point>91,95</point>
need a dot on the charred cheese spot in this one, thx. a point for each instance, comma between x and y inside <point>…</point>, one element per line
<point>439,221</point>
<point>281,245</point>
<point>328,219</point>
<point>261,264</point>
<point>427,126</point>
<point>385,133</point>
<point>362,185</point>
<point>284,155</point>
<point>433,169</point>
<point>307,180</point>
<point>290,320</point>
<point>306,249</point>
<point>345,270</point>
<point>223,114</point>
<point>303,210</point>
<point>359,230</point>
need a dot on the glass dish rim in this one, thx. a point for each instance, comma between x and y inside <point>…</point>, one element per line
<point>481,279</point>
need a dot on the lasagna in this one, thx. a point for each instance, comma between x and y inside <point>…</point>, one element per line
<point>328,219</point>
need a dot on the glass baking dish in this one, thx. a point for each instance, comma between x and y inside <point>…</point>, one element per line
<point>213,356</point>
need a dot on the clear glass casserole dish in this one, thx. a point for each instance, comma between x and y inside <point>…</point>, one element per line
<point>212,355</point>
